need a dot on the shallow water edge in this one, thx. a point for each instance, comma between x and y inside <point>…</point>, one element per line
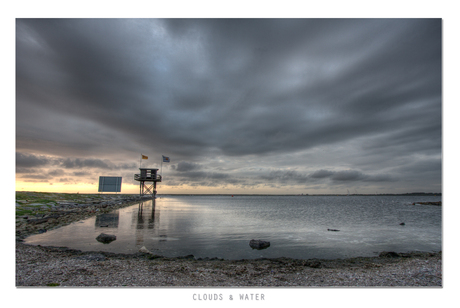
<point>156,227</point>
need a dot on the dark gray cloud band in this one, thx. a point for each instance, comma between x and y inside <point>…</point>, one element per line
<point>24,160</point>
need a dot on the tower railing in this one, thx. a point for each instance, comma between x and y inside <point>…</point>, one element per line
<point>148,177</point>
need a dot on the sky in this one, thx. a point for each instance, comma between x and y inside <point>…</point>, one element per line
<point>240,106</point>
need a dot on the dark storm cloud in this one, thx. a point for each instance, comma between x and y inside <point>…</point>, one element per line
<point>321,174</point>
<point>335,176</point>
<point>81,173</point>
<point>199,175</point>
<point>192,174</point>
<point>348,175</point>
<point>43,168</point>
<point>29,160</point>
<point>192,88</point>
<point>56,172</point>
<point>355,176</point>
<point>252,79</point>
<point>186,166</point>
<point>86,163</point>
<point>287,176</point>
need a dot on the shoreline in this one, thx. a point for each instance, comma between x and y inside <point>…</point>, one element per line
<point>46,266</point>
<point>61,266</point>
<point>39,212</point>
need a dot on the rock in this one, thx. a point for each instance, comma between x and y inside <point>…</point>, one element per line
<point>428,203</point>
<point>190,257</point>
<point>106,238</point>
<point>144,250</point>
<point>37,221</point>
<point>259,244</point>
<point>389,254</point>
<point>335,230</point>
<point>312,263</point>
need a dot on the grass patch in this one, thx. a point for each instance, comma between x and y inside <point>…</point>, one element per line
<point>53,284</point>
<point>23,212</point>
<point>21,196</point>
<point>45,201</point>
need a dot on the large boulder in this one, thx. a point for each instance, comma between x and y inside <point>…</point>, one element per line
<point>106,238</point>
<point>259,244</point>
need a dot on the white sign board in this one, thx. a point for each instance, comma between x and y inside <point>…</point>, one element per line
<point>110,183</point>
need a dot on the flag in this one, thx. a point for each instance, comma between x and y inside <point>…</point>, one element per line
<point>144,157</point>
<point>165,159</point>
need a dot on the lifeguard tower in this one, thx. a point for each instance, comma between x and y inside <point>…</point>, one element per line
<point>148,179</point>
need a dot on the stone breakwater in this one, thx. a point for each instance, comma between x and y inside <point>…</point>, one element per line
<point>38,212</point>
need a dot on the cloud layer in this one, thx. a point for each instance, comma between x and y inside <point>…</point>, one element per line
<point>250,103</point>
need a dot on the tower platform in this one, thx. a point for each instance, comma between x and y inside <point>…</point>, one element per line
<point>148,179</point>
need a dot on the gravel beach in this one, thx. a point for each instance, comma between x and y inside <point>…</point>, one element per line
<point>48,266</point>
<point>38,266</point>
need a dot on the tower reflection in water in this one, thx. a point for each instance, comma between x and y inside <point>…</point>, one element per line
<point>146,222</point>
<point>108,220</point>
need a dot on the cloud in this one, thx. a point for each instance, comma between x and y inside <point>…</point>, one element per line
<point>86,163</point>
<point>318,176</point>
<point>42,168</point>
<point>321,174</point>
<point>95,93</point>
<point>348,175</point>
<point>56,172</point>
<point>186,166</point>
<point>81,173</point>
<point>24,160</point>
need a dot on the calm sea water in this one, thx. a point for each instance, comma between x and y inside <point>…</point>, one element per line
<point>296,227</point>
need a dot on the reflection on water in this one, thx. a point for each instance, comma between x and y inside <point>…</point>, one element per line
<point>109,220</point>
<point>145,218</point>
<point>297,227</point>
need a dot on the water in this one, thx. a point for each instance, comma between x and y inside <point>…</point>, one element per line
<point>296,226</point>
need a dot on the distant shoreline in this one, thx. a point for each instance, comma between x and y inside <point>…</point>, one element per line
<point>188,194</point>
